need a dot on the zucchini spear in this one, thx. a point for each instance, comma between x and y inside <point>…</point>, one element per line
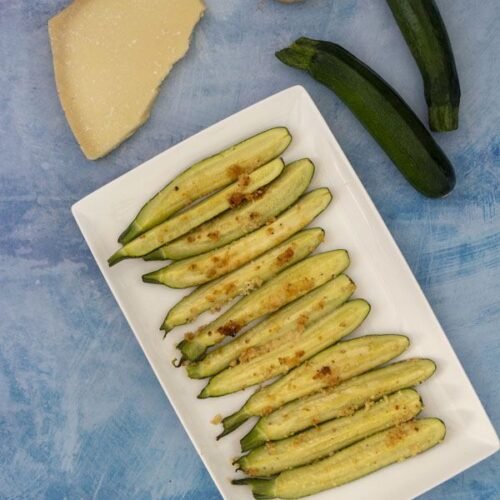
<point>200,213</point>
<point>294,317</point>
<point>331,436</point>
<point>240,221</point>
<point>327,369</point>
<point>360,459</point>
<point>282,289</point>
<point>381,111</point>
<point>207,176</point>
<point>423,28</point>
<point>215,294</point>
<point>211,265</point>
<point>338,401</point>
<point>280,355</point>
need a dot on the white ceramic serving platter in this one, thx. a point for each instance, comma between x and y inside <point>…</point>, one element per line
<point>378,267</point>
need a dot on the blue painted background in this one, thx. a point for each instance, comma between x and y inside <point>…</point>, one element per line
<point>81,413</point>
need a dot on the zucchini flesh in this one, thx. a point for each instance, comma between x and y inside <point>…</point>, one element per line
<point>289,350</point>
<point>327,369</point>
<point>228,227</point>
<point>338,401</point>
<point>426,36</point>
<point>331,436</point>
<point>282,289</point>
<point>200,213</point>
<point>242,281</point>
<point>360,459</point>
<point>381,111</point>
<point>296,316</point>
<point>206,267</point>
<point>207,176</point>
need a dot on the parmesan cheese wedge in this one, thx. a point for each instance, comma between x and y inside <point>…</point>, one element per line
<point>110,57</point>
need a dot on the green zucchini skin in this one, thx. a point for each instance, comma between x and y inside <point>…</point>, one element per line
<point>287,286</point>
<point>296,316</point>
<point>425,33</point>
<point>195,216</point>
<point>326,369</point>
<point>381,111</point>
<point>242,281</point>
<point>206,267</point>
<point>358,460</point>
<point>234,224</point>
<point>207,176</point>
<point>280,355</point>
<point>327,438</point>
<point>338,401</point>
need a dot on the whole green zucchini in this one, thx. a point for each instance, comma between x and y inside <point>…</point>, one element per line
<point>360,459</point>
<point>337,401</point>
<point>380,109</point>
<point>207,176</point>
<point>294,317</point>
<point>327,438</point>
<point>327,369</point>
<point>426,36</point>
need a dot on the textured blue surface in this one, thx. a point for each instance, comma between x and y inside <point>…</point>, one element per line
<point>81,413</point>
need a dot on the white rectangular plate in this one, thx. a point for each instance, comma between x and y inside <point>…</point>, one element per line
<point>378,268</point>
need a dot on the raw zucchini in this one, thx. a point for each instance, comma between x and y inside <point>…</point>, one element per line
<point>215,294</point>
<point>284,288</point>
<point>331,436</point>
<point>207,176</point>
<point>338,401</point>
<point>280,355</point>
<point>294,317</point>
<point>242,220</point>
<point>380,109</point>
<point>206,267</point>
<point>248,185</point>
<point>426,36</point>
<point>327,369</point>
<point>360,459</point>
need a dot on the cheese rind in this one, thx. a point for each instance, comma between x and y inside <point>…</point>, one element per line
<point>110,58</point>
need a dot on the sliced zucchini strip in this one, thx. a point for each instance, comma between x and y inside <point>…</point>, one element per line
<point>242,281</point>
<point>211,265</point>
<point>338,401</point>
<point>294,317</point>
<point>240,221</point>
<point>207,176</point>
<point>360,459</point>
<point>284,288</point>
<point>198,214</point>
<point>327,369</point>
<point>327,438</point>
<point>287,351</point>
